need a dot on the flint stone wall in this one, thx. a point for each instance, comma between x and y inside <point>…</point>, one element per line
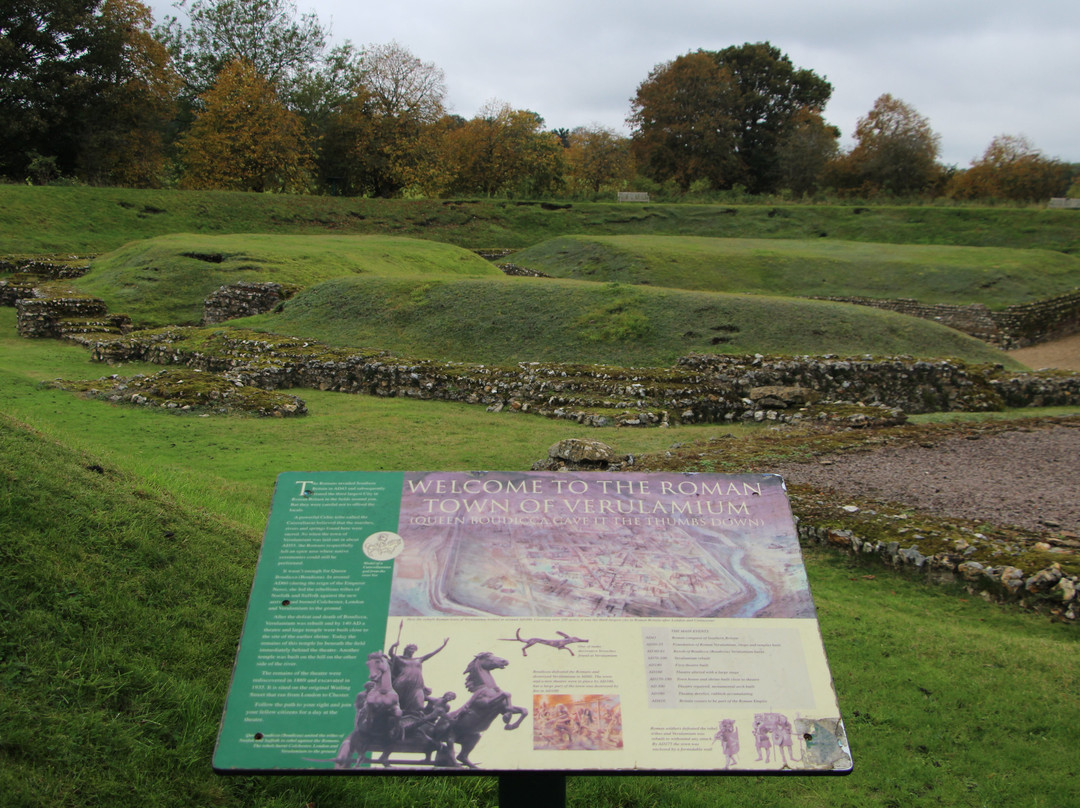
<point>243,299</point>
<point>17,287</point>
<point>1047,589</point>
<point>42,317</point>
<point>700,389</point>
<point>59,268</point>
<point>1009,328</point>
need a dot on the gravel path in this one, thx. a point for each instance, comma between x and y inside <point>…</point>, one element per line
<point>1023,477</point>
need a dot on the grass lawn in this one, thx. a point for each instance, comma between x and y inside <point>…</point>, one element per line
<point>129,536</point>
<point>992,276</point>
<point>123,603</point>
<point>96,220</point>
<point>164,280</point>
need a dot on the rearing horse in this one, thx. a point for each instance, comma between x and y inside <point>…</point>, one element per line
<point>487,701</point>
<point>377,719</point>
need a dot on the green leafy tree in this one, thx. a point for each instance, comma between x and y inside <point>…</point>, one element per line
<point>720,116</point>
<point>682,122</point>
<point>1012,168</point>
<point>267,34</point>
<point>245,139</point>
<point>381,137</point>
<point>85,89</point>
<point>45,81</point>
<point>124,128</point>
<point>896,153</point>
<point>804,151</point>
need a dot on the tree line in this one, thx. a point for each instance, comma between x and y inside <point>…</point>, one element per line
<point>247,95</point>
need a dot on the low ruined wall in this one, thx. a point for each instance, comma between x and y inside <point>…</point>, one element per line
<point>1047,589</point>
<point>913,386</point>
<point>701,389</point>
<point>16,288</point>
<point>1009,328</point>
<point>43,317</point>
<point>243,299</point>
<point>56,268</point>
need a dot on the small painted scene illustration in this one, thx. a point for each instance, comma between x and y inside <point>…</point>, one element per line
<point>577,722</point>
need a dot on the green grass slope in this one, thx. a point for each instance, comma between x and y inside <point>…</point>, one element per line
<point>96,220</point>
<point>164,280</point>
<point>544,320</point>
<point>993,276</point>
<point>122,606</point>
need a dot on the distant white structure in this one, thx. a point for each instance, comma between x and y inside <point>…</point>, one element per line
<point>633,196</point>
<point>1056,202</point>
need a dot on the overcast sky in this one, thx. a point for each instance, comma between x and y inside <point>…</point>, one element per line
<point>974,68</point>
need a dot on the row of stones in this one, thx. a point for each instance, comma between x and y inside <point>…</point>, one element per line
<point>914,386</point>
<point>700,389</point>
<point>1009,328</point>
<point>1049,588</point>
<point>186,391</point>
<point>60,317</point>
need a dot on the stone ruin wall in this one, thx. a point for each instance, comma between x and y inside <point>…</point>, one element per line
<point>1010,328</point>
<point>60,317</point>
<point>701,389</point>
<point>243,299</point>
<point>1048,589</point>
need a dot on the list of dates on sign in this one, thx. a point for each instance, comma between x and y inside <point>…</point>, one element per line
<point>713,667</point>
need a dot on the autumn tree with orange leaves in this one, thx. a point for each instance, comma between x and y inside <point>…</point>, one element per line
<point>1012,168</point>
<point>895,153</point>
<point>597,158</point>
<point>245,139</point>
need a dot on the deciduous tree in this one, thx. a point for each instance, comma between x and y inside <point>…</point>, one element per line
<point>380,138</point>
<point>85,89</point>
<point>245,139</point>
<point>401,85</point>
<point>505,151</point>
<point>683,127</point>
<point>895,152</point>
<point>1012,168</point>
<point>597,158</point>
<point>720,115</point>
<point>44,80</point>
<point>268,34</point>
<point>804,151</point>
<point>123,128</point>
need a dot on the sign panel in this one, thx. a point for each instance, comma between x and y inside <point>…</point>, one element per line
<point>516,621</point>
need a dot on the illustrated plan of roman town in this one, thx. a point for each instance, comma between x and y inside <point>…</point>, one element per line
<point>582,546</point>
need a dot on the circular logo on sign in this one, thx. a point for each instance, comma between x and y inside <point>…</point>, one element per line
<point>383,546</point>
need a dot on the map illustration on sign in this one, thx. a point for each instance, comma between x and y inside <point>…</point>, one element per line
<point>664,622</point>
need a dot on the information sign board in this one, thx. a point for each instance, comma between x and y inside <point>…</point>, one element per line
<point>432,622</point>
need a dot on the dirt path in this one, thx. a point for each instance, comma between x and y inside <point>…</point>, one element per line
<point>1063,354</point>
<point>1026,477</point>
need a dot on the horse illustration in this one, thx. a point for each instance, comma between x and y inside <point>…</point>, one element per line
<point>466,724</point>
<point>378,716</point>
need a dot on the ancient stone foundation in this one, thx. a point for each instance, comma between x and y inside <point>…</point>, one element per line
<point>700,389</point>
<point>1009,328</point>
<point>62,317</point>
<point>1047,589</point>
<point>243,299</point>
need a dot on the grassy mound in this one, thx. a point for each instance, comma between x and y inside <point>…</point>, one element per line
<point>544,320</point>
<point>95,220</point>
<point>993,276</point>
<point>164,280</point>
